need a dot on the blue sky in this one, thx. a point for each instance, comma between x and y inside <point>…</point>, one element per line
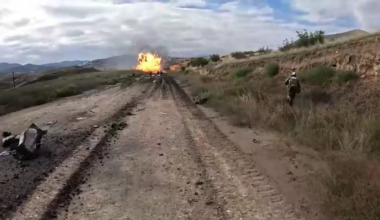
<point>41,31</point>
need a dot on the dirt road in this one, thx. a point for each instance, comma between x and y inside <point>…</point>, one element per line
<point>68,121</point>
<point>162,158</point>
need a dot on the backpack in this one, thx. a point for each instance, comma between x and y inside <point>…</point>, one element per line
<point>29,143</point>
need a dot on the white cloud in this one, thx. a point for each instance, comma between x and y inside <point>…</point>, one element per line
<point>365,12</point>
<point>54,30</point>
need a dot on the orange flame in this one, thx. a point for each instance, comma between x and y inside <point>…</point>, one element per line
<point>148,62</point>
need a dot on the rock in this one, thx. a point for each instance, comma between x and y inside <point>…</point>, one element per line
<point>209,202</point>
<point>363,76</point>
<point>51,122</point>
<point>198,183</point>
<point>198,100</point>
<point>255,141</point>
<point>96,126</point>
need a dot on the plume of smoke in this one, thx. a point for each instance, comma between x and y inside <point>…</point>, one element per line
<point>126,49</point>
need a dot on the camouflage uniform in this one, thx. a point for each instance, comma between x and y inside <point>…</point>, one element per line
<point>293,86</point>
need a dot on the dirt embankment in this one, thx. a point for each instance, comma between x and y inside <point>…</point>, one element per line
<point>361,55</point>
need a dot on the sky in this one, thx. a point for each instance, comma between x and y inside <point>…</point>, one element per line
<point>43,31</point>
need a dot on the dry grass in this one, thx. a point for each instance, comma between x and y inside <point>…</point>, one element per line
<point>42,92</point>
<point>347,137</point>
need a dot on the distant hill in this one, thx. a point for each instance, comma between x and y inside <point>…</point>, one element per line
<point>67,64</point>
<point>346,35</point>
<point>32,68</point>
<point>126,61</point>
<point>117,62</point>
<point>4,66</point>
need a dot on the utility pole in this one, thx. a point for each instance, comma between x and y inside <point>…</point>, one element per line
<point>13,76</point>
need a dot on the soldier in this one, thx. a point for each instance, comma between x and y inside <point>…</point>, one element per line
<point>293,86</point>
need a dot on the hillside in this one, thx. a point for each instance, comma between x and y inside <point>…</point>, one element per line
<point>22,79</point>
<point>331,134</point>
<point>346,35</point>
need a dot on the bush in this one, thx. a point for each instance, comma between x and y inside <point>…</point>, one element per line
<point>242,72</point>
<point>345,76</point>
<point>66,91</point>
<point>271,69</point>
<point>264,50</point>
<point>238,55</point>
<point>215,58</point>
<point>305,39</point>
<point>183,68</point>
<point>318,75</point>
<point>200,61</point>
<point>249,53</point>
<point>287,45</point>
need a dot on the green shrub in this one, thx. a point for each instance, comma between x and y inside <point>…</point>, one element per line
<point>317,76</point>
<point>305,39</point>
<point>239,55</point>
<point>200,61</point>
<point>287,45</point>
<point>242,72</point>
<point>271,69</point>
<point>69,90</point>
<point>215,58</point>
<point>345,76</point>
<point>264,50</point>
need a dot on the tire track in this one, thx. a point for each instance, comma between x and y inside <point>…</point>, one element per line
<point>60,196</point>
<point>152,172</point>
<point>71,187</point>
<point>242,190</point>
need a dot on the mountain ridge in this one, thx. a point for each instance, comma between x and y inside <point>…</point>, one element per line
<point>33,68</point>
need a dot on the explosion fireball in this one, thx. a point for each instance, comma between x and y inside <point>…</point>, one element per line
<point>149,62</point>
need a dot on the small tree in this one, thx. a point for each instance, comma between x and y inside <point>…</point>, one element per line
<point>305,39</point>
<point>287,45</point>
<point>215,58</point>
